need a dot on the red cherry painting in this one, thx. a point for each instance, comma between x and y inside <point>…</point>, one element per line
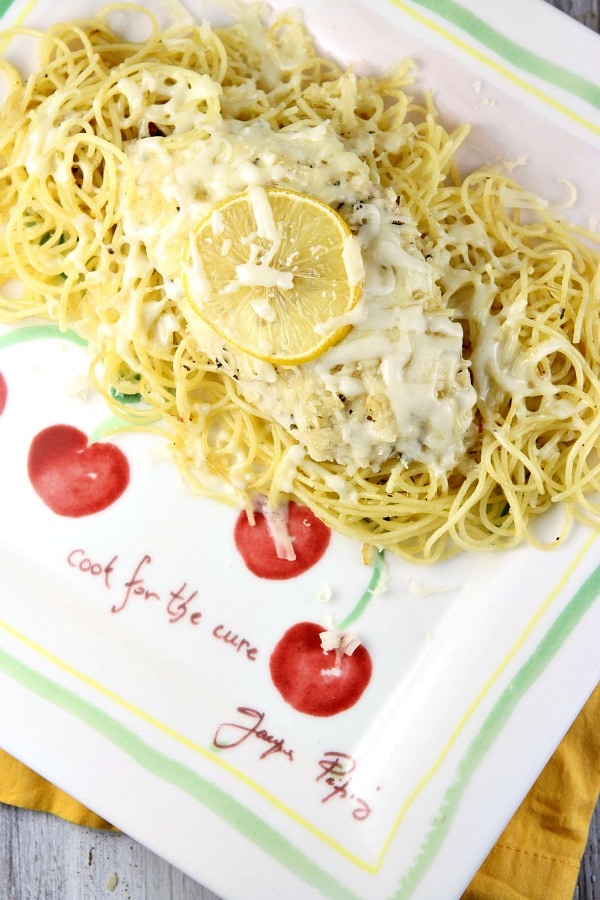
<point>3,393</point>
<point>72,477</point>
<point>257,546</point>
<point>313,681</point>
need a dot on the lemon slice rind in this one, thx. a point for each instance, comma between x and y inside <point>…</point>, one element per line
<point>274,273</point>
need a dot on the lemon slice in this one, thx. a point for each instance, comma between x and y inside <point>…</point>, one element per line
<point>270,270</point>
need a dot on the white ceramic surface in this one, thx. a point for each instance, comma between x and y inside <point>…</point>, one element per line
<point>135,639</point>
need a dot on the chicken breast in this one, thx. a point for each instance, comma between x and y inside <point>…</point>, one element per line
<point>397,384</point>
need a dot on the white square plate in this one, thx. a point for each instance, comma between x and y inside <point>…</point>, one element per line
<point>133,639</point>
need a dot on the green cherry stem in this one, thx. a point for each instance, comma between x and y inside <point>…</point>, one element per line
<point>118,424</point>
<point>109,426</point>
<point>36,332</point>
<point>114,424</point>
<point>376,576</point>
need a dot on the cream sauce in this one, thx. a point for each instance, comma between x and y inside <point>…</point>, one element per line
<point>397,384</point>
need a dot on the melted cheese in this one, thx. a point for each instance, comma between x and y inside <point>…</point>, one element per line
<point>504,368</point>
<point>397,385</point>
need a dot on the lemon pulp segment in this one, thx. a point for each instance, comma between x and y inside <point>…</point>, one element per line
<point>270,270</point>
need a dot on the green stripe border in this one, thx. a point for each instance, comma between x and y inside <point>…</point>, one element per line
<point>218,801</point>
<point>249,824</point>
<point>513,53</point>
<point>529,672</point>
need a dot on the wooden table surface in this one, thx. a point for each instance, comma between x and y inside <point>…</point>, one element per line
<point>44,858</point>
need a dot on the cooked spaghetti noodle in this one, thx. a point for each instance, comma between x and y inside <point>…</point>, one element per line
<point>523,289</point>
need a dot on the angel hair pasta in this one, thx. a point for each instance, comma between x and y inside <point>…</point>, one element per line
<point>279,260</point>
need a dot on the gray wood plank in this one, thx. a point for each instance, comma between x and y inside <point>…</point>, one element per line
<point>45,858</point>
<point>585,11</point>
<point>588,883</point>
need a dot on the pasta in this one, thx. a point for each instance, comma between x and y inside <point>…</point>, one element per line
<point>522,288</point>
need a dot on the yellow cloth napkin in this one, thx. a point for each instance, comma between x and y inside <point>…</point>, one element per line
<point>20,786</point>
<point>537,856</point>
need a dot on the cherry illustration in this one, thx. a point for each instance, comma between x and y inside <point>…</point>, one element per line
<point>313,681</point>
<point>3,393</point>
<point>72,477</point>
<point>257,546</point>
